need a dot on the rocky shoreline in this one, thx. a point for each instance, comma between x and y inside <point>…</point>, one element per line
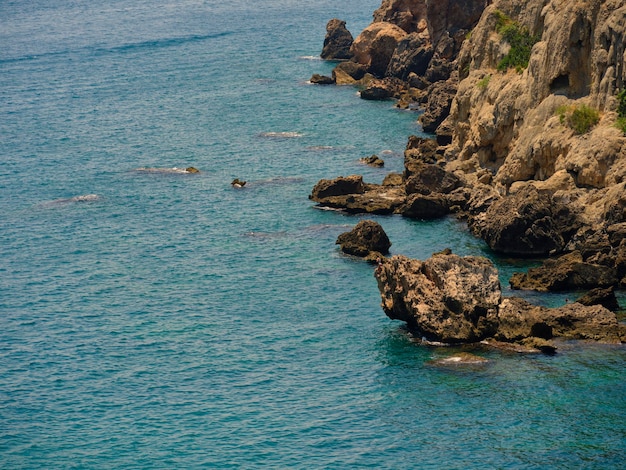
<point>524,101</point>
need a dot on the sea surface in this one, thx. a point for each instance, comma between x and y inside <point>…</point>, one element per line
<point>160,319</point>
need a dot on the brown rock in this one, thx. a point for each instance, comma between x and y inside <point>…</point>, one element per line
<point>321,79</point>
<point>368,236</point>
<point>568,272</point>
<point>445,298</point>
<point>373,160</point>
<point>425,207</point>
<point>340,186</point>
<point>375,46</point>
<point>599,296</point>
<point>337,42</point>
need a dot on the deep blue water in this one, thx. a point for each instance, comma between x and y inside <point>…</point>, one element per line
<point>171,321</point>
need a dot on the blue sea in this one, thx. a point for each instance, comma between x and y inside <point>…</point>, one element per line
<point>165,320</point>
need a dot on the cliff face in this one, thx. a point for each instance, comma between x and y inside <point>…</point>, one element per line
<point>511,122</point>
<point>522,96</point>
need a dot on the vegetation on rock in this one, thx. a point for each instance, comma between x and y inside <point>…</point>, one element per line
<point>520,40</point>
<point>579,118</point>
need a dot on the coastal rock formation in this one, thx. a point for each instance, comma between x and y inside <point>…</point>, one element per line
<point>528,223</point>
<point>499,82</point>
<point>337,42</point>
<point>446,298</point>
<point>366,239</point>
<point>568,272</point>
<point>455,299</point>
<point>375,46</point>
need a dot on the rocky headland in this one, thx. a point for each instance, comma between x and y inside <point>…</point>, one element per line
<point>526,107</point>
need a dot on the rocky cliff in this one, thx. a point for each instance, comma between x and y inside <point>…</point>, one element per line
<point>522,99</point>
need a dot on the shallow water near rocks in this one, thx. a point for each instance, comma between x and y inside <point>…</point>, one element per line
<point>168,320</point>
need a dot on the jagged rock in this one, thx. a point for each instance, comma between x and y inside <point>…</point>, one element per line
<point>527,223</point>
<point>412,55</point>
<point>427,179</point>
<point>425,207</point>
<point>237,183</point>
<point>518,319</point>
<point>373,160</point>
<point>321,79</point>
<point>191,169</point>
<point>437,109</point>
<point>393,179</point>
<point>417,152</point>
<point>568,272</point>
<point>376,92</point>
<point>340,186</point>
<point>600,296</point>
<point>375,46</point>
<point>348,73</point>
<point>445,298</point>
<point>337,42</point>
<point>455,299</point>
<point>366,237</point>
<point>355,197</point>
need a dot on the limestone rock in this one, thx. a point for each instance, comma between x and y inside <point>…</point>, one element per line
<point>412,55</point>
<point>599,296</point>
<point>337,42</point>
<point>321,79</point>
<point>366,237</point>
<point>527,223</point>
<point>455,299</point>
<point>438,107</point>
<point>518,319</point>
<point>375,46</point>
<point>340,186</point>
<point>568,272</point>
<point>445,298</point>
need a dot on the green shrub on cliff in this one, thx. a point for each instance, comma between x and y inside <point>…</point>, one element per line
<point>520,40</point>
<point>579,118</point>
<point>483,83</point>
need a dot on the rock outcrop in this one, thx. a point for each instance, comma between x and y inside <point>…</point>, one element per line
<point>499,82</point>
<point>338,41</point>
<point>455,299</point>
<point>366,240</point>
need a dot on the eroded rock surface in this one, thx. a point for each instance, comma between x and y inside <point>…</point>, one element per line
<point>456,299</point>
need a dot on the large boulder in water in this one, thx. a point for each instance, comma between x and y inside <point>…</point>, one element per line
<point>367,237</point>
<point>337,42</point>
<point>445,298</point>
<point>339,186</point>
<point>457,299</point>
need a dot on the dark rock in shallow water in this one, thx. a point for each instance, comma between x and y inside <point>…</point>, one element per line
<point>373,160</point>
<point>368,236</point>
<point>599,296</point>
<point>337,42</point>
<point>318,79</point>
<point>568,272</point>
<point>340,186</point>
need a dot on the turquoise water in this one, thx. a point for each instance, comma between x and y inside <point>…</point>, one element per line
<point>171,321</point>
